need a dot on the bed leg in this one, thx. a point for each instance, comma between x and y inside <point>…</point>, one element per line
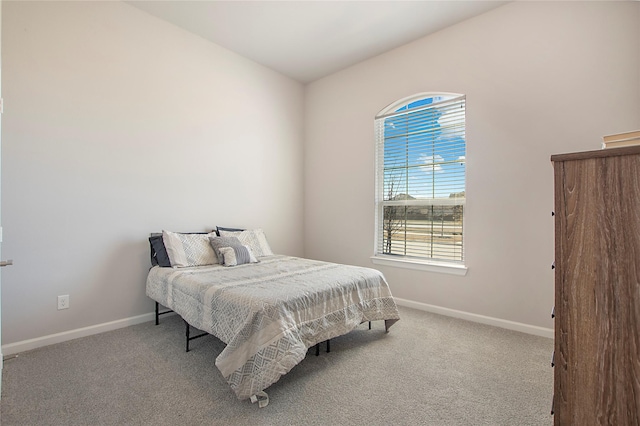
<point>187,334</point>
<point>369,325</point>
<point>328,345</point>
<point>157,313</point>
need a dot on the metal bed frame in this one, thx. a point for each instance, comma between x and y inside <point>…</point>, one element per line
<point>190,338</point>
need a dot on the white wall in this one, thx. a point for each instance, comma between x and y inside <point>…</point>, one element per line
<point>540,78</point>
<point>116,125</point>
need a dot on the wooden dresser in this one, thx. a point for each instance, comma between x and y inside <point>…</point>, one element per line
<point>597,287</point>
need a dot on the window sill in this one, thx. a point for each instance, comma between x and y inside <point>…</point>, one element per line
<point>441,267</point>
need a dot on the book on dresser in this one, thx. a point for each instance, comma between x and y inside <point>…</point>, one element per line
<point>597,287</point>
<point>621,139</point>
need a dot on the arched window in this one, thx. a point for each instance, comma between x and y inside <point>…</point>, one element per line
<point>420,179</point>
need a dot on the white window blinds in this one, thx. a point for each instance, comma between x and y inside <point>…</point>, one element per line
<point>420,179</point>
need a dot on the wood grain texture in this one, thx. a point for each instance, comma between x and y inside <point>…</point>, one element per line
<point>600,153</point>
<point>597,325</point>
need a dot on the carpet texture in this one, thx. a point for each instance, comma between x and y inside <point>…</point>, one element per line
<point>428,370</point>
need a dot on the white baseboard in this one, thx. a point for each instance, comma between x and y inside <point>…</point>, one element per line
<point>497,322</point>
<point>26,345</point>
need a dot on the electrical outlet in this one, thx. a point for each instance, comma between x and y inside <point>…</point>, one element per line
<point>63,302</point>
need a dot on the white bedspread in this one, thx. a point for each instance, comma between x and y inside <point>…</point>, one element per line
<point>269,313</point>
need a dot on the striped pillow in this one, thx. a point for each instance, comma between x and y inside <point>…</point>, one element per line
<point>234,256</point>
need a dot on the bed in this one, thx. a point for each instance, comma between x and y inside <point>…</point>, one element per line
<point>268,310</point>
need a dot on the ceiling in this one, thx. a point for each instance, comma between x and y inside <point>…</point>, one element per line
<point>307,40</point>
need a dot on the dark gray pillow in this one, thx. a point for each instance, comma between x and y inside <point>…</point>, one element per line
<point>222,228</point>
<point>218,242</point>
<point>159,254</point>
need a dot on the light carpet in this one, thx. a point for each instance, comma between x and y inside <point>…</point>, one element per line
<point>428,370</point>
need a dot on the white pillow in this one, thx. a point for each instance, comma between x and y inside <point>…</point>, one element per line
<point>254,238</point>
<point>237,256</point>
<point>189,249</point>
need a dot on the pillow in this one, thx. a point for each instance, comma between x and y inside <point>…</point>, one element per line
<point>218,242</point>
<point>159,254</point>
<point>220,228</point>
<point>189,249</point>
<point>234,256</point>
<point>254,238</point>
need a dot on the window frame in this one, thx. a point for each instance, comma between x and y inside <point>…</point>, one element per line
<point>403,261</point>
